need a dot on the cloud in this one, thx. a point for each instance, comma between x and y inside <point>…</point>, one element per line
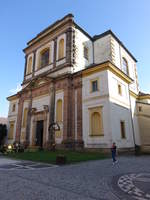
<point>17,89</point>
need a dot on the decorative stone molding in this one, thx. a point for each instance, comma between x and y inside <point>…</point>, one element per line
<point>46,108</point>
<point>33,110</point>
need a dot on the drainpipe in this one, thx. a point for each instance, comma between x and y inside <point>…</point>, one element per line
<point>132,119</point>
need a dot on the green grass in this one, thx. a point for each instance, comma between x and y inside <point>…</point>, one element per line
<point>50,157</point>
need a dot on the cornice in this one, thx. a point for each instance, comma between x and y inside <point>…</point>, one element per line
<point>106,66</point>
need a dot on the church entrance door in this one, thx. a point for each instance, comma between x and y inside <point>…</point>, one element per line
<point>39,133</point>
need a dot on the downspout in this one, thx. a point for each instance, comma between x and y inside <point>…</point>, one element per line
<point>132,119</point>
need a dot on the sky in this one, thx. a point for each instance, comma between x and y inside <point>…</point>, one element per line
<point>20,21</point>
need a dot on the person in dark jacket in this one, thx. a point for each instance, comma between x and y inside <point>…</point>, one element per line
<point>113,152</point>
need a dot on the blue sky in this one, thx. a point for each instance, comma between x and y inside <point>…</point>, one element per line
<point>21,20</point>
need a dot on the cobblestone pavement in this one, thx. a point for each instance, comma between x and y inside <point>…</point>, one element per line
<point>129,179</point>
<point>11,164</point>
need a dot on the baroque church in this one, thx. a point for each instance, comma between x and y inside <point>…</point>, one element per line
<point>87,87</point>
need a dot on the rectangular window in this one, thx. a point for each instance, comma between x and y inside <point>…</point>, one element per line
<point>140,108</point>
<point>119,89</point>
<point>86,52</point>
<point>122,128</point>
<point>94,86</point>
<point>13,107</point>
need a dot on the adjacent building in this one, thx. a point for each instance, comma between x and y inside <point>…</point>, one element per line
<point>88,85</point>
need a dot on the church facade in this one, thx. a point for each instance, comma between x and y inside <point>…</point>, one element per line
<point>86,85</point>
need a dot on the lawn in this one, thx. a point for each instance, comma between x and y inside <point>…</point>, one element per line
<point>50,157</point>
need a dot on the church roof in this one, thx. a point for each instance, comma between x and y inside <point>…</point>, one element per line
<point>70,16</point>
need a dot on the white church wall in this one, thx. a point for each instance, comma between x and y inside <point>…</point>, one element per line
<point>11,103</point>
<point>12,117</point>
<point>118,52</point>
<point>102,49</point>
<point>101,77</point>
<point>92,100</point>
<point>135,120</point>
<point>123,98</point>
<point>97,141</point>
<point>82,40</point>
<point>144,123</point>
<point>118,114</point>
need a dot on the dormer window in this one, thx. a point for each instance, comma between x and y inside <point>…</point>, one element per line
<point>86,53</point>
<point>125,66</point>
<point>44,58</point>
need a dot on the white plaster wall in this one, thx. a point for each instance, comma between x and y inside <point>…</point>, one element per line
<point>120,113</point>
<point>102,49</point>
<point>115,97</point>
<point>59,95</point>
<point>92,100</point>
<point>119,52</point>
<point>135,120</point>
<point>144,123</point>
<point>12,116</point>
<point>102,78</point>
<point>98,141</point>
<point>60,62</point>
<point>82,40</point>
<point>44,69</point>
<point>11,103</point>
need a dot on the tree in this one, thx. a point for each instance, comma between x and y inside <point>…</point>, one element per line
<point>3,133</point>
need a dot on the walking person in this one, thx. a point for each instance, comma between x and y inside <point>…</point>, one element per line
<point>113,152</point>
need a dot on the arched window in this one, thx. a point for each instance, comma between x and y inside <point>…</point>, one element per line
<point>61,49</point>
<point>25,117</point>
<point>29,67</point>
<point>59,111</point>
<point>96,123</point>
<point>44,57</point>
<point>125,66</point>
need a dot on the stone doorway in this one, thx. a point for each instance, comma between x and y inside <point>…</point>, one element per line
<point>39,133</point>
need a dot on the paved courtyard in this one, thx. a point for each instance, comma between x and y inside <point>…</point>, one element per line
<point>129,179</point>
